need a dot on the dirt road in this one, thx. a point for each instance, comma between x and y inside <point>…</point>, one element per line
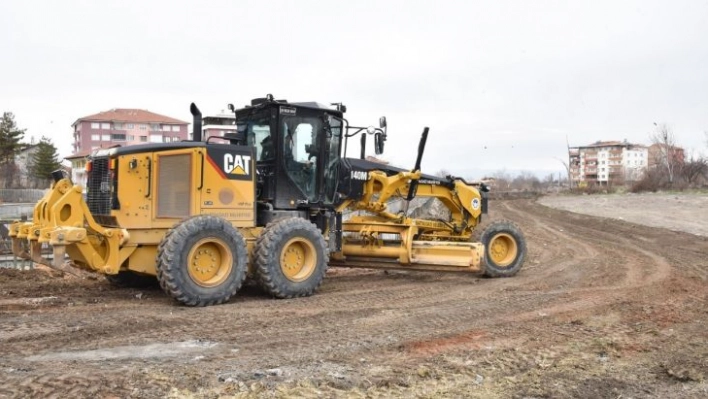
<point>602,308</point>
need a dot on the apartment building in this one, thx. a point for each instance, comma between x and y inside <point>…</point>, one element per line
<point>659,154</point>
<point>121,126</point>
<point>218,125</point>
<point>607,162</point>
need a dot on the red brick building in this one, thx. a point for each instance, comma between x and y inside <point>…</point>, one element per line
<point>659,152</point>
<point>121,126</point>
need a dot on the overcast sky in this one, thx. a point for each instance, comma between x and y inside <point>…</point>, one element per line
<point>500,84</point>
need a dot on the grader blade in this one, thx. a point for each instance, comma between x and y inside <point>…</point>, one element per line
<point>422,255</point>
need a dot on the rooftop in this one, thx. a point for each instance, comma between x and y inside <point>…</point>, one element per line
<point>87,152</point>
<point>614,143</point>
<point>129,115</point>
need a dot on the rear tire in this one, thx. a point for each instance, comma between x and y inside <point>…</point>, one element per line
<point>290,258</point>
<point>202,261</point>
<point>504,248</point>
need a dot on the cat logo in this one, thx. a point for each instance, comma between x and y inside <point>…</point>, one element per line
<point>237,164</point>
<point>232,162</point>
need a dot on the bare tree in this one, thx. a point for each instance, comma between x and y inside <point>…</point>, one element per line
<point>443,173</point>
<point>566,165</point>
<point>502,180</point>
<point>694,169</point>
<point>665,141</point>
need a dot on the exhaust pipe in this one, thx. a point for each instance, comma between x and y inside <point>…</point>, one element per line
<point>196,122</point>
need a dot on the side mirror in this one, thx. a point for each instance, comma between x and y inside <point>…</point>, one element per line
<point>382,122</point>
<point>379,143</point>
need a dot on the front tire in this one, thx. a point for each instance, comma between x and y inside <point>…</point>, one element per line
<point>202,261</point>
<point>504,249</point>
<point>291,258</point>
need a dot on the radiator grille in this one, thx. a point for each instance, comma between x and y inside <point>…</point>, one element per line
<point>99,188</point>
<point>173,182</point>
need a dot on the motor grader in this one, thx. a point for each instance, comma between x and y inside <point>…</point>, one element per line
<point>278,202</point>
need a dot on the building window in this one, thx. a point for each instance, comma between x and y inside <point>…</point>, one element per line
<point>175,128</point>
<point>118,126</point>
<point>156,138</point>
<point>106,126</point>
<point>143,139</point>
<point>155,127</point>
<point>165,128</point>
<point>130,126</point>
<point>95,125</point>
<point>143,127</point>
<point>106,137</point>
<point>118,137</point>
<point>131,137</point>
<point>95,137</point>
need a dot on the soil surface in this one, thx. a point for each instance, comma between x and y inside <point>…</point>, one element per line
<point>603,308</point>
<point>678,212</point>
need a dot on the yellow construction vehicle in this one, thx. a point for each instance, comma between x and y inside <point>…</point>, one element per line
<point>278,201</point>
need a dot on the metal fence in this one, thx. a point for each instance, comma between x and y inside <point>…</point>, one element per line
<point>20,195</point>
<point>7,260</point>
<point>16,211</point>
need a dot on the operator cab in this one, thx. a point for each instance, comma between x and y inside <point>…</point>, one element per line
<point>297,151</point>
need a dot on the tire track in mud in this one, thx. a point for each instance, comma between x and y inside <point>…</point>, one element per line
<point>642,267</point>
<point>578,246</point>
<point>639,267</point>
<point>586,264</point>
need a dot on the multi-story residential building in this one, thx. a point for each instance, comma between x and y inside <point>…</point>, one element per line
<point>126,127</point>
<point>660,153</point>
<point>23,161</point>
<point>218,125</point>
<point>606,162</point>
<point>78,165</point>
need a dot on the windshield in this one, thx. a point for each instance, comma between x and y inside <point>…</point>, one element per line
<point>257,131</point>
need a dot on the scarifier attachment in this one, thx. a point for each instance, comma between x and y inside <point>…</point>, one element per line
<point>62,220</point>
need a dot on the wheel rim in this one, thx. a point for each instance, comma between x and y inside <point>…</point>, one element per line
<point>210,262</point>
<point>503,249</point>
<point>298,259</point>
